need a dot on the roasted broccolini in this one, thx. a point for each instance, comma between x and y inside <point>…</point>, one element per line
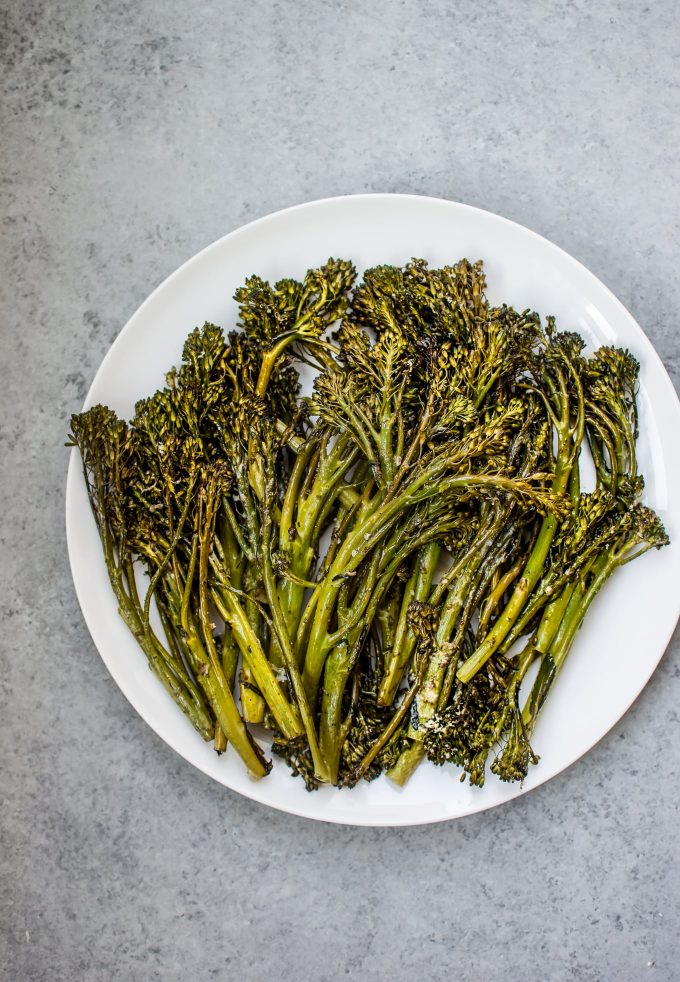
<point>370,570</point>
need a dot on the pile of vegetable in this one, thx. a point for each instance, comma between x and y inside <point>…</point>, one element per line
<point>370,571</point>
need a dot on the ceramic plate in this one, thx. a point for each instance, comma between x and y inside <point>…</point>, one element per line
<point>630,623</point>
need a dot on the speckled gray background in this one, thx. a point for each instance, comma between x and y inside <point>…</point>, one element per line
<point>133,134</point>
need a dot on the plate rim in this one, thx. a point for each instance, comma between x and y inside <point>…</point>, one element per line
<point>74,472</point>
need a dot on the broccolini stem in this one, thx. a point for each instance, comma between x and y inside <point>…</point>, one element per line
<point>212,677</point>
<point>548,668</point>
<point>222,702</point>
<point>330,727</point>
<point>320,765</point>
<point>484,556</point>
<point>478,590</point>
<point>576,609</point>
<point>407,763</point>
<point>462,601</point>
<point>191,706</point>
<point>131,611</point>
<point>531,574</point>
<point>186,676</point>
<point>252,703</point>
<point>229,656</point>
<point>496,595</point>
<point>220,741</point>
<point>386,619</point>
<point>251,699</point>
<point>291,497</point>
<point>570,435</point>
<point>345,644</point>
<point>454,622</point>
<point>579,600</point>
<point>417,588</point>
<point>560,589</point>
<point>229,659</point>
<point>230,721</point>
<point>551,619</point>
<point>234,555</point>
<point>309,509</point>
<point>392,726</point>
<point>346,494</point>
<point>269,360</point>
<point>254,658</point>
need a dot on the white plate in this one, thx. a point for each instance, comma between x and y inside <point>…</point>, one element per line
<point>631,622</point>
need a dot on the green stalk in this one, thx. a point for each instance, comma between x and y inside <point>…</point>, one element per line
<point>330,726</point>
<point>320,766</point>
<point>130,610</point>
<point>417,588</point>
<point>528,580</point>
<point>500,585</point>
<point>229,719</point>
<point>387,619</point>
<point>211,675</point>
<point>560,589</point>
<point>531,574</point>
<point>252,701</point>
<point>454,621</point>
<point>184,674</point>
<point>286,716</point>
<point>309,509</point>
<point>478,590</point>
<point>291,594</point>
<point>553,660</point>
<point>234,553</point>
<point>392,726</point>
<point>462,600</point>
<point>552,618</point>
<point>213,683</point>
<point>229,656</point>
<point>160,663</point>
<point>407,763</point>
<point>578,603</point>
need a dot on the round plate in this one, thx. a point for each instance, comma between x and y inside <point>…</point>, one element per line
<point>628,627</point>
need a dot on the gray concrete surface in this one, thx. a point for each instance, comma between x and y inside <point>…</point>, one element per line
<point>134,133</point>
